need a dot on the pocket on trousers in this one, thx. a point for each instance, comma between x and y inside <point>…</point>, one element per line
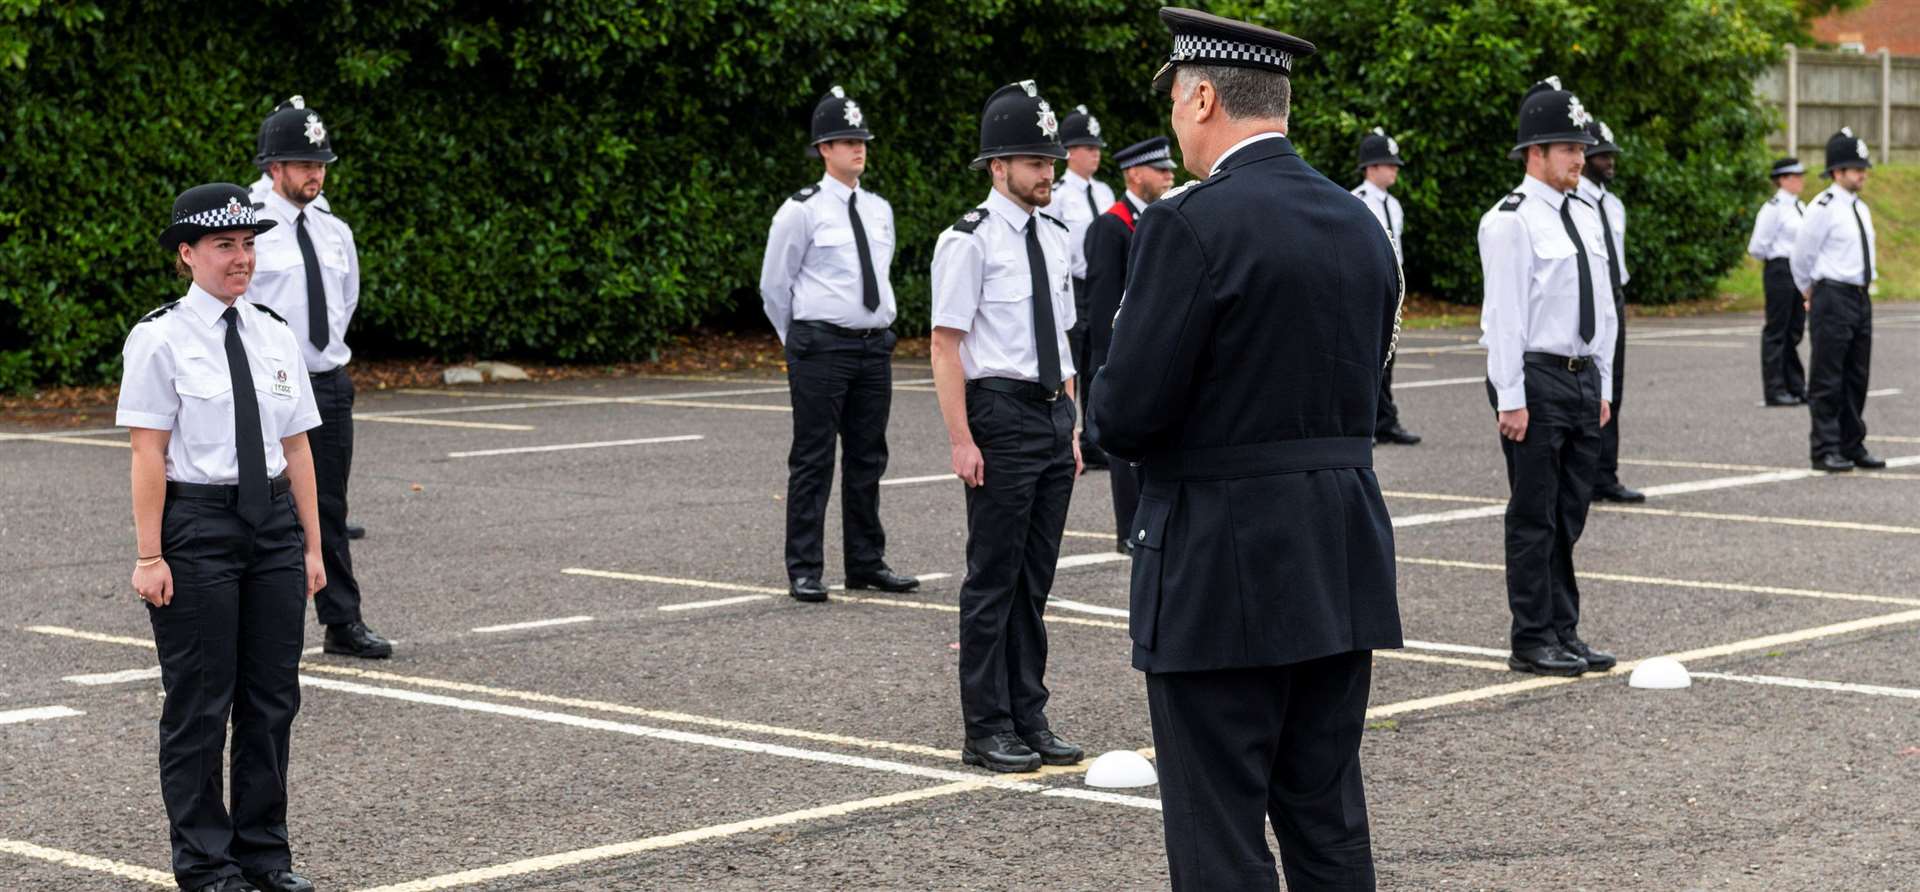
<point>1148,535</point>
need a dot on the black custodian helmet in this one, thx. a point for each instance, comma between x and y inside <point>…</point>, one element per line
<point>1551,114</point>
<point>1017,121</point>
<point>294,133</point>
<point>837,117</point>
<point>1379,148</point>
<point>1845,150</point>
<point>1081,128</point>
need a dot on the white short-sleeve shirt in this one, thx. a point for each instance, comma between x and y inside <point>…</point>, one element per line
<point>982,285</point>
<point>177,380</point>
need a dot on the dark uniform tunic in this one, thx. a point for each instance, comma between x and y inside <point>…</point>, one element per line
<point>1242,375</point>
<point>1109,239</point>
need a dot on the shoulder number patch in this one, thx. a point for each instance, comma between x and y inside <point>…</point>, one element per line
<point>806,193</point>
<point>1513,202</point>
<point>970,220</point>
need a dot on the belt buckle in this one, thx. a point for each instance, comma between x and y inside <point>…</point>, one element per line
<point>1573,363</point>
<point>1054,396</point>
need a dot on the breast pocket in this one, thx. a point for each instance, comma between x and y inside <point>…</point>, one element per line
<point>833,238</point>
<point>206,409</point>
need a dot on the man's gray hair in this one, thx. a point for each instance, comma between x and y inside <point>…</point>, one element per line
<point>1244,92</point>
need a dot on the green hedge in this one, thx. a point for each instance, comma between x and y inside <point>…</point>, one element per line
<point>575,180</point>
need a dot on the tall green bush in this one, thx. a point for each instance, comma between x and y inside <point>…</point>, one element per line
<point>575,180</point>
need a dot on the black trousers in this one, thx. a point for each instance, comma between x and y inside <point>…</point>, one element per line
<point>1607,468</point>
<point>842,389</point>
<point>1550,474</point>
<point>332,445</point>
<point>1840,325</point>
<point>1014,523</point>
<point>1283,743</point>
<point>1080,344</point>
<point>1780,369</point>
<point>1386,415</point>
<point>229,646</point>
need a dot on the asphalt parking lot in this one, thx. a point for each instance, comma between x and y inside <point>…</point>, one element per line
<point>600,684</point>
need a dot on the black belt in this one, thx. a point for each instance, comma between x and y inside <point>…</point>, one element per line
<point>217,492</point>
<point>336,370</point>
<point>1773,260</point>
<point>843,332</point>
<point>1845,286</point>
<point>1570,363</point>
<point>1024,389</point>
<point>1262,459</point>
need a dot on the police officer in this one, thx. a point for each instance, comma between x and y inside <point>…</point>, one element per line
<point>216,397</point>
<point>1263,568</point>
<point>1078,199</point>
<point>264,185</point>
<point>1380,165</point>
<point>1595,179</point>
<point>1002,306</point>
<point>1783,380</point>
<point>825,285</point>
<point>1834,264</point>
<point>1548,325</point>
<point>309,272</point>
<point>1147,167</point>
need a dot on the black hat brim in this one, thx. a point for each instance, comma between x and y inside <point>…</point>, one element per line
<point>1390,160</point>
<point>1052,150</point>
<point>181,233</point>
<point>1576,136</point>
<point>324,155</point>
<point>1855,164</point>
<point>813,148</point>
<point>1602,148</point>
<point>1094,141</point>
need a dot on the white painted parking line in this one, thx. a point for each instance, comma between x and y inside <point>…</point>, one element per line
<point>1457,648</point>
<point>534,624</point>
<point>1814,684</point>
<point>441,422</point>
<point>90,863</point>
<point>37,714</point>
<point>1682,583</point>
<point>563,447</point>
<point>64,632</point>
<point>702,404</point>
<point>1754,518</point>
<point>908,481</point>
<point>1103,796</point>
<point>1716,345</point>
<point>1886,391</point>
<point>54,435</point>
<point>722,602</point>
<point>1438,382</point>
<point>672,580</point>
<point>1084,607</point>
<point>107,678</point>
<point>1883,438</point>
<point>81,441</point>
<point>1088,560</point>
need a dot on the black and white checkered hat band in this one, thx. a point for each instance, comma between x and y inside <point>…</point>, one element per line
<point>1194,48</point>
<point>234,215</point>
<point>1147,157</point>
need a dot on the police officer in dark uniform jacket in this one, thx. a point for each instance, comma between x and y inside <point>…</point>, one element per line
<point>1242,377</point>
<point>1078,199</point>
<point>1147,167</point>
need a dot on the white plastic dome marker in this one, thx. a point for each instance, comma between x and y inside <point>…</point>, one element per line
<point>1120,769</point>
<point>1660,674</point>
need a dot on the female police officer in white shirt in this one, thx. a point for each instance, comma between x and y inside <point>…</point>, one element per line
<point>216,396</point>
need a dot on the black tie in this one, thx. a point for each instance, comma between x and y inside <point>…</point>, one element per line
<point>869,283</point>
<point>1586,272</point>
<point>1613,255</point>
<point>1866,250</point>
<point>317,330</point>
<point>253,503</point>
<point>1386,211</point>
<point>1046,341</point>
<point>1090,205</point>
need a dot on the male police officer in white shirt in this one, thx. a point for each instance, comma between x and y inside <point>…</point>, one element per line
<point>1595,182</point>
<point>1002,306</point>
<point>308,270</point>
<point>1380,164</point>
<point>824,283</point>
<point>1834,265</point>
<point>1548,326</point>
<point>261,187</point>
<point>1077,200</point>
<point>1783,380</point>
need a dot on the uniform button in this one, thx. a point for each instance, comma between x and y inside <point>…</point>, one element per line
<point>1143,535</point>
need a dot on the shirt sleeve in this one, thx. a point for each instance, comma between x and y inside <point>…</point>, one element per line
<point>306,414</point>
<point>1606,330</point>
<point>1620,241</point>
<point>1764,227</point>
<point>352,297</point>
<point>786,248</point>
<point>1163,328</point>
<point>1506,255</point>
<point>147,397</point>
<point>1806,246</point>
<point>957,263</point>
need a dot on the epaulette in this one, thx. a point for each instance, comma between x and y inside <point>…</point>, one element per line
<point>259,205</point>
<point>970,220</point>
<point>1175,191</point>
<point>269,311</point>
<point>1825,199</point>
<point>806,193</point>
<point>322,208</point>
<point>158,313</point>
<point>1774,200</point>
<point>1056,220</point>
<point>1513,201</point>
<point>1192,186</point>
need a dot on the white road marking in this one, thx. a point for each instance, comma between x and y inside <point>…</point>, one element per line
<point>534,624</point>
<point>673,580</point>
<point>1683,583</point>
<point>1088,560</point>
<point>54,435</point>
<point>1883,438</point>
<point>78,441</point>
<point>1815,684</point>
<point>1717,345</point>
<point>1103,796</point>
<point>562,447</point>
<point>722,602</point>
<point>78,861</point>
<point>121,677</point>
<point>908,481</point>
<point>701,404</point>
<point>1886,391</point>
<point>1438,382</point>
<point>441,422</point>
<point>1457,648</point>
<point>1084,607</point>
<point>1441,497</point>
<point>64,632</point>
<point>1752,518</point>
<point>37,714</point>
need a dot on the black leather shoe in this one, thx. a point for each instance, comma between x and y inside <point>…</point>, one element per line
<point>1002,752</point>
<point>1597,660</point>
<point>1551,659</point>
<point>1867,461</point>
<point>1053,750</point>
<point>1396,435</point>
<point>356,640</point>
<point>1615,492</point>
<point>280,881</point>
<point>883,579</point>
<point>1832,464</point>
<point>808,589</point>
<point>1784,399</point>
<point>227,884</point>
<point>356,531</point>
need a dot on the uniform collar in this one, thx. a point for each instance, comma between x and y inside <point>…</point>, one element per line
<point>1003,207</point>
<point>1591,188</point>
<point>1078,181</point>
<point>1842,193</point>
<point>1135,201</point>
<point>1789,196</point>
<point>206,308</point>
<point>1553,197</point>
<point>1367,189</point>
<point>1221,163</point>
<point>836,188</point>
<point>278,205</point>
